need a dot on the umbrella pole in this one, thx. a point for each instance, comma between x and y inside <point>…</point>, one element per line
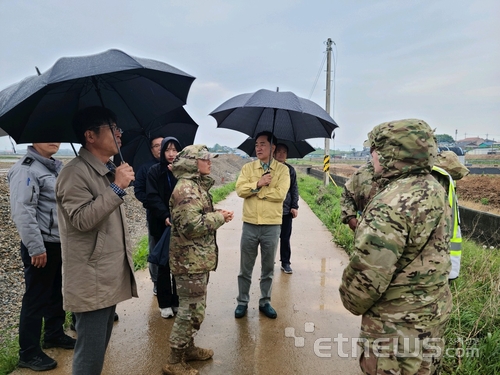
<point>272,136</point>
<point>98,91</point>
<point>74,150</point>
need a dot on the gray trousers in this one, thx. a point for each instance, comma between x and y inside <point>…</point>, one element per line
<point>94,331</point>
<point>267,236</point>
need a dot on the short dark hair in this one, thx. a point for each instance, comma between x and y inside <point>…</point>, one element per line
<point>282,145</point>
<point>270,136</point>
<point>92,118</point>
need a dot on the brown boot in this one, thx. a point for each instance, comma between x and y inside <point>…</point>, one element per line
<point>177,365</point>
<point>193,353</point>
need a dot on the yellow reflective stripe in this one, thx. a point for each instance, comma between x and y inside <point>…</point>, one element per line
<point>453,204</point>
<point>456,253</point>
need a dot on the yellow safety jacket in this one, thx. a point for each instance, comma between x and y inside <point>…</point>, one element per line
<point>456,234</point>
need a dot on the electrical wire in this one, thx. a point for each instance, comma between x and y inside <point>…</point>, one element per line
<point>317,76</point>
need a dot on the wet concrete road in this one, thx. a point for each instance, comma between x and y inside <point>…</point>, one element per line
<point>307,303</point>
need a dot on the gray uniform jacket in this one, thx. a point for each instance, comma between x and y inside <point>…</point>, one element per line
<point>33,200</point>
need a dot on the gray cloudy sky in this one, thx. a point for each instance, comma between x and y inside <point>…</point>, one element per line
<point>434,60</point>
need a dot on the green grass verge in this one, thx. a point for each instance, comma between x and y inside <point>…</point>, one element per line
<point>324,201</point>
<point>473,333</point>
<point>9,347</point>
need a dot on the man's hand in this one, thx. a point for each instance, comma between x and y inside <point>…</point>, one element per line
<point>39,261</point>
<point>265,180</point>
<point>353,223</point>
<point>228,215</point>
<point>167,222</point>
<point>124,175</point>
<point>294,212</point>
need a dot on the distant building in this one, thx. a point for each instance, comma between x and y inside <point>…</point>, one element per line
<point>475,142</point>
<point>470,143</point>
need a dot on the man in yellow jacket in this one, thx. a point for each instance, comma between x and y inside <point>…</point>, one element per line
<point>263,184</point>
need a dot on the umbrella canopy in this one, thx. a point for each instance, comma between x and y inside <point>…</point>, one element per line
<point>296,150</point>
<point>138,90</point>
<point>136,144</point>
<point>284,114</point>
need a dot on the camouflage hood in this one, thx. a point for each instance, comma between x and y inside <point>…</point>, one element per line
<point>449,161</point>
<point>404,147</point>
<point>185,164</point>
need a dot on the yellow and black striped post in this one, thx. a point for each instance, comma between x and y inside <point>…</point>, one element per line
<point>326,169</point>
<point>326,163</point>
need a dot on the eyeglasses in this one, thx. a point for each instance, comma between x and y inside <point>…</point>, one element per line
<point>155,146</point>
<point>114,128</point>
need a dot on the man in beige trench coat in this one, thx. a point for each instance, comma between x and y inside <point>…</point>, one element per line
<point>97,256</point>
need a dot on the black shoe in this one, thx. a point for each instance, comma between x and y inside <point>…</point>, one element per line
<point>268,311</point>
<point>64,342</point>
<point>115,319</point>
<point>286,268</point>
<point>240,311</point>
<point>40,362</point>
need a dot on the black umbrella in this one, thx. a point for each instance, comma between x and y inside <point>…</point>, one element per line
<point>283,113</point>
<point>136,144</point>
<point>138,90</point>
<point>296,150</point>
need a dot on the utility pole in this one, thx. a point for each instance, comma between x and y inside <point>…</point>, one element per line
<point>326,158</point>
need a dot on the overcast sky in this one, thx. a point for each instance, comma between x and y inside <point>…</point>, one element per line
<point>434,60</point>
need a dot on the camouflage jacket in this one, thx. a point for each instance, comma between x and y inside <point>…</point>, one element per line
<point>399,271</point>
<point>358,191</point>
<point>193,246</point>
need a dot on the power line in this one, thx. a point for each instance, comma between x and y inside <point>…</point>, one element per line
<point>317,76</point>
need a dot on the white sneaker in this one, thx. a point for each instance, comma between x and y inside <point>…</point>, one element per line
<point>176,309</point>
<point>167,313</point>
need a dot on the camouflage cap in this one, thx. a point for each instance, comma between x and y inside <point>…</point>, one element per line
<point>196,152</point>
<point>404,146</point>
<point>449,161</point>
<point>185,165</point>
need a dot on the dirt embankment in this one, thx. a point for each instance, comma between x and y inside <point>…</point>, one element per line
<point>479,192</point>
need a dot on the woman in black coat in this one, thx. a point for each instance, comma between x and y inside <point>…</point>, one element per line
<point>159,186</point>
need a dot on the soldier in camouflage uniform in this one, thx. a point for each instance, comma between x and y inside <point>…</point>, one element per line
<point>193,253</point>
<point>360,189</point>
<point>397,279</point>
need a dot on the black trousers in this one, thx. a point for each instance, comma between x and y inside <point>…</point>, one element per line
<point>166,288</point>
<point>286,233</point>
<point>42,300</point>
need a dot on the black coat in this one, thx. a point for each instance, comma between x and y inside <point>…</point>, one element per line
<point>292,196</point>
<point>160,183</point>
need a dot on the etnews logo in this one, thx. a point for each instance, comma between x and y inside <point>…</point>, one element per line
<point>324,347</point>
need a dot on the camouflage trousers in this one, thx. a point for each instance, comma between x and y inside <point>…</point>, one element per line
<point>390,348</point>
<point>192,292</point>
